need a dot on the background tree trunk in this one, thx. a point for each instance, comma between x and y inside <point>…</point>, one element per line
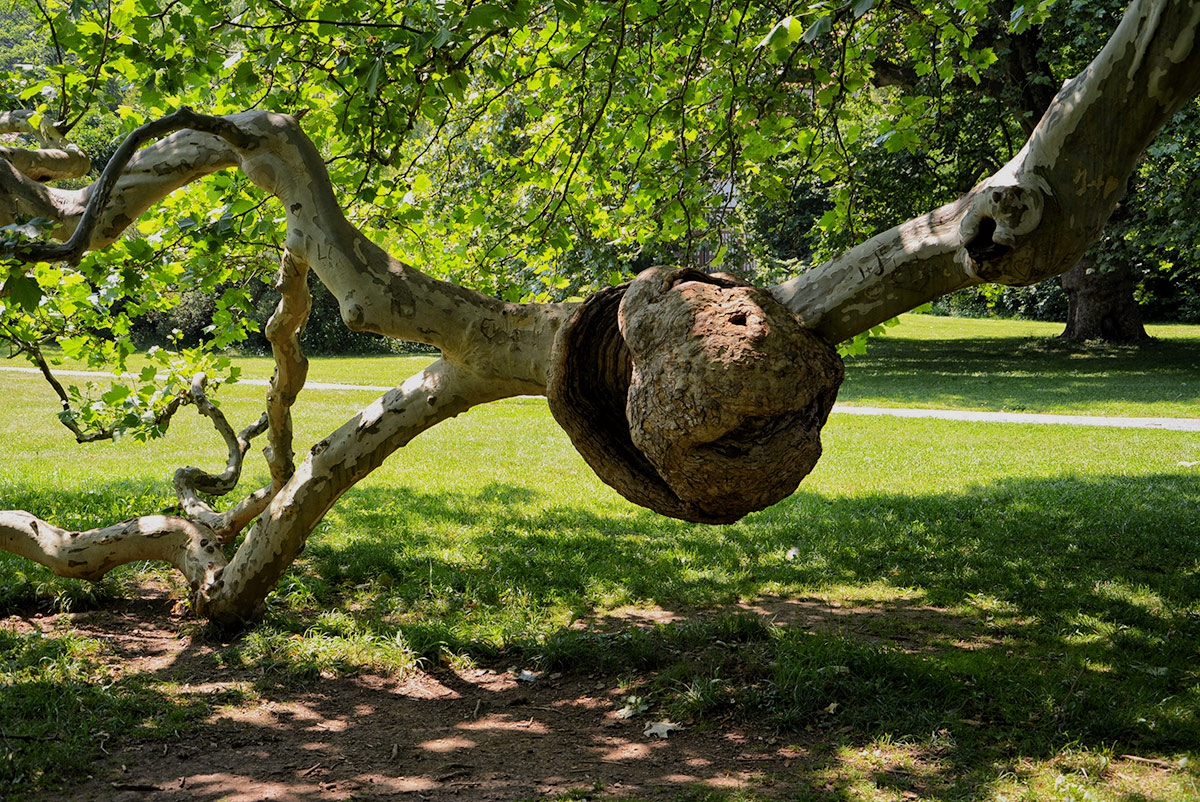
<point>1101,304</point>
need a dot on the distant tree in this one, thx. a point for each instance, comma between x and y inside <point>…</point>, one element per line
<point>699,396</point>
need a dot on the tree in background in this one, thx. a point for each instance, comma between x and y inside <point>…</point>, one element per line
<point>484,141</point>
<point>942,131</point>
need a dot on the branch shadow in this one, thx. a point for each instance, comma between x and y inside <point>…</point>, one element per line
<point>996,625</point>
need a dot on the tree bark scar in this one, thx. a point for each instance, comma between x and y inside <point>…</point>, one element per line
<point>982,248</point>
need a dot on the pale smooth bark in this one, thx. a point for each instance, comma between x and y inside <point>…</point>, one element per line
<point>56,159</point>
<point>1036,217</point>
<point>1030,221</point>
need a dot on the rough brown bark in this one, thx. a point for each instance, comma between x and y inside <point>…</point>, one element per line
<point>766,352</point>
<point>1101,304</point>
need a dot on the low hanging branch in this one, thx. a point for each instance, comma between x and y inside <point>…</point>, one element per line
<point>685,392</point>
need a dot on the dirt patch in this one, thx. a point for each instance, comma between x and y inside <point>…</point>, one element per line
<point>479,733</point>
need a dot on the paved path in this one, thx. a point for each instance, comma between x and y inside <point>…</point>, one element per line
<point>1173,424</point>
<point>1169,424</point>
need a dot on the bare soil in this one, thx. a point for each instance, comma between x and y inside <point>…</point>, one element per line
<point>441,734</point>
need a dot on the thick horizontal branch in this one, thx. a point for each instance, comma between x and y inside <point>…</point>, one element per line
<point>188,546</point>
<point>376,292</point>
<point>56,159</point>
<point>80,240</point>
<point>48,164</point>
<point>1036,217</point>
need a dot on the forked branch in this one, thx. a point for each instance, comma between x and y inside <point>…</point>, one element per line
<point>1030,221</point>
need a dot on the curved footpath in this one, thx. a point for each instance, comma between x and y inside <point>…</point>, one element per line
<point>1168,424</point>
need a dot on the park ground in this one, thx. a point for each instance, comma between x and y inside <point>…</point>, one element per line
<point>945,610</point>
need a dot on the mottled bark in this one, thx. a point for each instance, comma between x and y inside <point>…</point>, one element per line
<point>56,158</point>
<point>1037,216</point>
<point>668,374</point>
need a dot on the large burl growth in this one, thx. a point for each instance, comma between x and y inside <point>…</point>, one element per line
<point>697,396</point>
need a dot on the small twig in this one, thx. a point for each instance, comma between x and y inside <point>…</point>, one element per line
<point>1162,764</point>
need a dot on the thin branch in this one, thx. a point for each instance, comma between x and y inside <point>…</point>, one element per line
<point>291,366</point>
<point>73,249</point>
<point>58,51</point>
<point>66,128</point>
<point>162,419</point>
<point>190,482</point>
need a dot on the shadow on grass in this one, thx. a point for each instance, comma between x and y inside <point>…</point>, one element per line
<point>1009,620</point>
<point>1014,373</point>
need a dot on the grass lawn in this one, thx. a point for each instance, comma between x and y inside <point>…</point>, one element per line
<point>1018,366</point>
<point>1019,605</point>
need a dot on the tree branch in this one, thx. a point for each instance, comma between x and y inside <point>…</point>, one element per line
<point>56,159</point>
<point>1038,215</point>
<point>188,546</point>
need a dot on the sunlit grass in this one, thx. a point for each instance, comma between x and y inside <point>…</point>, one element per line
<point>1018,366</point>
<point>981,611</point>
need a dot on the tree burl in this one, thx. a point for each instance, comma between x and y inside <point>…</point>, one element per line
<point>698,396</point>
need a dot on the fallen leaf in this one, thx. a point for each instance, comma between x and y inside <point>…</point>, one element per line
<point>660,728</point>
<point>633,706</point>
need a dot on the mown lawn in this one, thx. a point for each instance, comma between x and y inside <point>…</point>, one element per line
<point>1024,600</point>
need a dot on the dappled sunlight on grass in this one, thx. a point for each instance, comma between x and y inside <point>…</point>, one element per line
<point>947,610</point>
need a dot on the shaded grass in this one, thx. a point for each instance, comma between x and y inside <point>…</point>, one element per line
<point>982,611</point>
<point>1017,366</point>
<point>60,704</point>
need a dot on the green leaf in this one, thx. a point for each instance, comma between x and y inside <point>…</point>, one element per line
<point>819,28</point>
<point>373,78</point>
<point>116,394</point>
<point>1014,20</point>
<point>862,7</point>
<point>489,15</point>
<point>24,291</point>
<point>784,33</point>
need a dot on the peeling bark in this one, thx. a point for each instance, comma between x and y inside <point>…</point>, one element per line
<point>667,375</point>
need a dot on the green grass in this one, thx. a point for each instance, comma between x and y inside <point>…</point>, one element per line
<point>986,611</point>
<point>1018,366</point>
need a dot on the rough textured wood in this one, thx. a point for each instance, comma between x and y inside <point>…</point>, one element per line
<point>699,397</point>
<point>587,388</point>
<point>729,392</point>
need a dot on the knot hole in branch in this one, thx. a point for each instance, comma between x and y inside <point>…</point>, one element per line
<point>981,247</point>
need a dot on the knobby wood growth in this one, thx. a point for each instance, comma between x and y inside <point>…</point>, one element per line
<point>631,373</point>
